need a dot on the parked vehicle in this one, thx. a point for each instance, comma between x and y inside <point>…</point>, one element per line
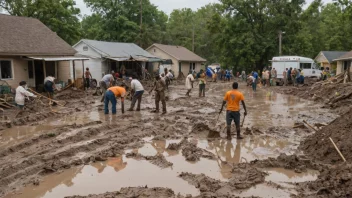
<point>307,65</point>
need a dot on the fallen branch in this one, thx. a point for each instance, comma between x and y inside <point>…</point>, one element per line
<point>337,149</point>
<point>305,122</point>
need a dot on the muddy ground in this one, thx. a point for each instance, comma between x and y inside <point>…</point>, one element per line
<point>52,152</point>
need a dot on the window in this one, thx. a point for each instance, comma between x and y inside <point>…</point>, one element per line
<point>192,66</point>
<point>154,50</point>
<point>167,62</point>
<point>30,69</point>
<point>5,69</point>
<point>306,65</point>
<point>85,48</point>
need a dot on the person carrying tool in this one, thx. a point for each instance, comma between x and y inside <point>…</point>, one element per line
<point>233,98</point>
<point>110,96</point>
<point>49,86</point>
<point>21,94</point>
<point>106,82</point>
<point>138,90</point>
<point>202,83</point>
<point>189,83</point>
<point>159,86</point>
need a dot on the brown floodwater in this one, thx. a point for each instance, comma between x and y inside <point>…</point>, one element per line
<point>120,172</point>
<point>265,109</point>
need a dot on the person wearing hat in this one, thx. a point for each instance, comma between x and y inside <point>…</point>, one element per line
<point>21,94</point>
<point>159,86</point>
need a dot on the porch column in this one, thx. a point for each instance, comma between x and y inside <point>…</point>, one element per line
<point>34,73</point>
<point>44,69</point>
<point>56,75</point>
<point>74,71</point>
<point>83,69</point>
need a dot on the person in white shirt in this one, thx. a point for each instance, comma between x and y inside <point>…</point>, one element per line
<point>105,83</point>
<point>22,94</point>
<point>189,83</point>
<point>138,90</point>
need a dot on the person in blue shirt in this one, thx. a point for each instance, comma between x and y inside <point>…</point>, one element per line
<point>254,84</point>
<point>289,78</point>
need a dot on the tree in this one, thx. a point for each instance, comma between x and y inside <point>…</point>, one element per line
<point>59,15</point>
<point>119,20</point>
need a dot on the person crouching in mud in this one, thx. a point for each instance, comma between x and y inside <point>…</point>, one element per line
<point>110,96</point>
<point>233,98</point>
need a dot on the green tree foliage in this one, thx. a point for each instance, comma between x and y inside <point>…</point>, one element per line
<point>59,15</point>
<point>119,20</point>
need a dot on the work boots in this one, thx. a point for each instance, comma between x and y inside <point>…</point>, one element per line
<point>229,133</point>
<point>239,137</point>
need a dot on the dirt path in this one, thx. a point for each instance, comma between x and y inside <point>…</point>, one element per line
<point>184,147</point>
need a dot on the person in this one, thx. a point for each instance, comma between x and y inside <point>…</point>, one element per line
<point>253,82</point>
<point>21,94</point>
<point>202,83</point>
<point>250,81</point>
<point>273,76</point>
<point>159,86</point>
<point>214,77</point>
<point>138,90</point>
<point>117,75</point>
<point>105,83</point>
<point>298,77</point>
<point>110,96</point>
<point>189,83</point>
<point>289,77</point>
<point>243,75</point>
<point>228,75</point>
<point>87,76</point>
<point>168,77</point>
<point>233,98</point>
<point>49,86</point>
<point>266,78</point>
<point>293,76</point>
<point>284,75</point>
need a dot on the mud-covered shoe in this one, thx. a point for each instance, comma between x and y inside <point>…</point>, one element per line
<point>155,111</point>
<point>130,109</point>
<point>138,109</point>
<point>164,112</point>
<point>239,137</point>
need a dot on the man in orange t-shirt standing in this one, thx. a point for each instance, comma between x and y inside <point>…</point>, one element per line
<point>110,96</point>
<point>233,98</point>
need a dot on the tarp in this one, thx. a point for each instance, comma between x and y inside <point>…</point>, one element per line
<point>209,72</point>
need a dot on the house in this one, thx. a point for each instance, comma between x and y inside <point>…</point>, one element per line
<point>182,59</point>
<point>326,58</point>
<point>105,57</point>
<point>30,51</point>
<point>344,63</point>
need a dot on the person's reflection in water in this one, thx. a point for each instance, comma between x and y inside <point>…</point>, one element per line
<point>159,146</point>
<point>100,166</point>
<point>117,163</point>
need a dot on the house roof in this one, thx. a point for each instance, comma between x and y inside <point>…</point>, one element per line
<point>29,36</point>
<point>332,55</point>
<point>346,56</point>
<point>117,50</point>
<point>179,52</point>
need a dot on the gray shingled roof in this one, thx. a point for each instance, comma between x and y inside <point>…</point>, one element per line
<point>332,55</point>
<point>29,36</point>
<point>116,49</point>
<point>346,56</point>
<point>179,52</point>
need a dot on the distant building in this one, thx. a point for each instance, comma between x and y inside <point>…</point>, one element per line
<point>30,51</point>
<point>105,57</point>
<point>182,59</point>
<point>344,62</point>
<point>326,58</point>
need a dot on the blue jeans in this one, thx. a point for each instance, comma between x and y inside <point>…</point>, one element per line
<point>110,96</point>
<point>254,85</point>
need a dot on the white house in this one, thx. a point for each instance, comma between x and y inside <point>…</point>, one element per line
<point>182,59</point>
<point>105,57</point>
<point>344,62</point>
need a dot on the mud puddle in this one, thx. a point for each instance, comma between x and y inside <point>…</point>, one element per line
<point>107,176</point>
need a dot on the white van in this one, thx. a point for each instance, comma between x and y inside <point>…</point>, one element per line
<point>307,65</point>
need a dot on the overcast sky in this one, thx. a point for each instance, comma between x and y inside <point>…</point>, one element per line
<point>168,5</point>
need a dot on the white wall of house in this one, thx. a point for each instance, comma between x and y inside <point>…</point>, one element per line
<point>340,67</point>
<point>161,54</point>
<point>19,70</point>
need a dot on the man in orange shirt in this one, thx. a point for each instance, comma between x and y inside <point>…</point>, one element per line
<point>110,96</point>
<point>233,98</point>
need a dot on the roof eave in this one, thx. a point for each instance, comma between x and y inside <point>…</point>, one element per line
<point>36,54</point>
<point>342,59</point>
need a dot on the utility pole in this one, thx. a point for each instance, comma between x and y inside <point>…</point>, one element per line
<point>280,42</point>
<point>141,33</point>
